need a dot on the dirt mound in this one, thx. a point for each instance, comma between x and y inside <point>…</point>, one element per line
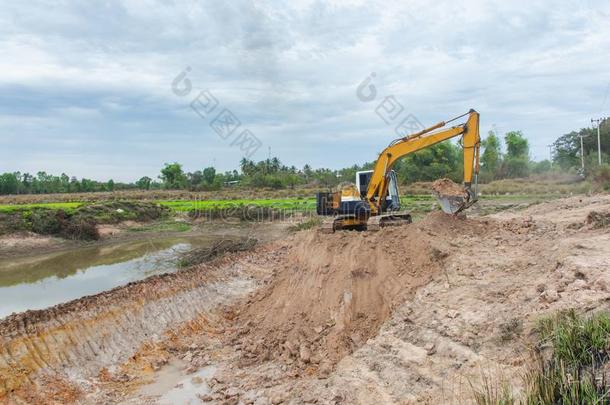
<point>448,187</point>
<point>334,291</point>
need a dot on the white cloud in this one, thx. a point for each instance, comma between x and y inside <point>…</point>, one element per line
<point>100,73</point>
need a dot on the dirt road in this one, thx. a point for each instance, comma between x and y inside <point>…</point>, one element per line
<point>410,315</point>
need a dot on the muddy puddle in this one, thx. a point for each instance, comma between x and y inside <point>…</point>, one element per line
<point>42,281</point>
<point>173,386</point>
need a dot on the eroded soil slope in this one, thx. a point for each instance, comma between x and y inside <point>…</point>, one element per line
<point>404,315</point>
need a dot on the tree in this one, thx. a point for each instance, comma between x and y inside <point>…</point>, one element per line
<point>9,183</point>
<point>491,158</point>
<point>567,150</point>
<point>567,147</point>
<point>65,183</point>
<point>541,167</point>
<point>209,174</point>
<point>516,163</point>
<point>307,172</point>
<point>87,185</point>
<point>516,144</point>
<point>247,167</point>
<point>75,185</point>
<point>110,185</point>
<point>195,179</point>
<point>172,176</point>
<point>144,183</point>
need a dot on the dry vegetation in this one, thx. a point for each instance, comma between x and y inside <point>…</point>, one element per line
<point>159,195</point>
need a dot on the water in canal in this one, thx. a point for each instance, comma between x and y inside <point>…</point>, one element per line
<point>44,281</point>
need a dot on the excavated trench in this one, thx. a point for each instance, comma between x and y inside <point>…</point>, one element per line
<point>80,338</point>
<point>307,301</point>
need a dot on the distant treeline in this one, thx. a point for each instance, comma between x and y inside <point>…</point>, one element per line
<point>511,160</point>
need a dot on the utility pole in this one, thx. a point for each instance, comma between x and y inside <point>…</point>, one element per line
<point>598,121</point>
<point>582,154</point>
<point>551,154</point>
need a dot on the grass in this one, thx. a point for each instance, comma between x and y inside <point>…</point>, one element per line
<point>298,204</point>
<point>418,204</point>
<point>307,224</point>
<point>167,226</point>
<point>570,359</point>
<point>574,372</point>
<point>492,393</point>
<point>66,206</point>
<point>577,341</point>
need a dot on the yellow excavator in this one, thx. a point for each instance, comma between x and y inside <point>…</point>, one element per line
<point>374,201</point>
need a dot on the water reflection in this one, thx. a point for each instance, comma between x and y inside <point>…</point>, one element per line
<point>36,283</point>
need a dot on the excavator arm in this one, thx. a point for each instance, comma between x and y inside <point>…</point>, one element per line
<point>378,185</point>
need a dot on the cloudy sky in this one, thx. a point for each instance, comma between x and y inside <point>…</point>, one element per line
<point>86,86</point>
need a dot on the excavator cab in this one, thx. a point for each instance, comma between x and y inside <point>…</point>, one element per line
<point>392,201</point>
<point>350,209</point>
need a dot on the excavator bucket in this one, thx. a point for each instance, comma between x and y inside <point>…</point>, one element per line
<point>451,204</point>
<point>452,197</point>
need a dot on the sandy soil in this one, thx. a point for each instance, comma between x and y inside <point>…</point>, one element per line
<point>405,315</point>
<point>26,242</point>
<point>448,187</point>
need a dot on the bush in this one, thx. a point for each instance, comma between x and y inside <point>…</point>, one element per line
<point>46,222</point>
<point>515,167</point>
<point>80,229</point>
<point>79,223</point>
<point>49,222</point>
<point>601,177</point>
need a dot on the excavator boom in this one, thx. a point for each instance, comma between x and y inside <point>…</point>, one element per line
<point>376,209</point>
<point>378,186</point>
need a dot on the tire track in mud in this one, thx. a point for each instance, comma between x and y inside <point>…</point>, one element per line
<point>79,338</point>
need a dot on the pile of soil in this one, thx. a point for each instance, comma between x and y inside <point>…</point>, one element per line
<point>334,291</point>
<point>447,187</point>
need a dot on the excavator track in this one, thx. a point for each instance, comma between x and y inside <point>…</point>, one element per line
<point>328,225</point>
<point>399,218</point>
<point>374,223</point>
<point>339,222</point>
